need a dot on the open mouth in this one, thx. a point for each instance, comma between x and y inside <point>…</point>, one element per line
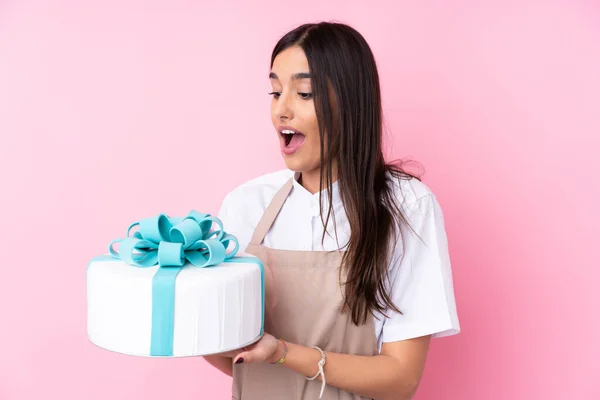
<point>292,137</point>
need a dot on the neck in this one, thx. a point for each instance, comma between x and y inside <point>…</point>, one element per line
<point>310,180</point>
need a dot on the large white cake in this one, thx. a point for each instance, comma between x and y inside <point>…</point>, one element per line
<point>200,310</point>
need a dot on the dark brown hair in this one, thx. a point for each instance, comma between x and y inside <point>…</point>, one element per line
<point>346,91</point>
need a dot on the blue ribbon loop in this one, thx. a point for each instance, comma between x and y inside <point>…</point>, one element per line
<point>171,243</point>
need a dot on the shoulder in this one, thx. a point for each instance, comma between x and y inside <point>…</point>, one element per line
<point>409,192</point>
<point>242,207</point>
<point>261,188</point>
<point>422,227</point>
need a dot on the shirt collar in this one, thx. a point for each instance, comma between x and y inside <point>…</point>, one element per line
<point>335,193</point>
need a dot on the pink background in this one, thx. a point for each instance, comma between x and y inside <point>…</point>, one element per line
<point>113,111</point>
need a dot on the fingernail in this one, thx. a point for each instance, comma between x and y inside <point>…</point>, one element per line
<point>240,360</point>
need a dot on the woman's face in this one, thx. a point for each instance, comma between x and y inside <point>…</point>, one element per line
<point>293,111</point>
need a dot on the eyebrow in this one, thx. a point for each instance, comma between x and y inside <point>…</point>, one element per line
<point>296,76</point>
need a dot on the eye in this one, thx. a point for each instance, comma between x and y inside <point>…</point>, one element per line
<point>305,96</point>
<point>275,94</point>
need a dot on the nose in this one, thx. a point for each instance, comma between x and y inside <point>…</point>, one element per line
<point>283,108</point>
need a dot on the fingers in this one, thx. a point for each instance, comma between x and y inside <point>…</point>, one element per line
<point>245,357</point>
<point>258,351</point>
<point>254,354</point>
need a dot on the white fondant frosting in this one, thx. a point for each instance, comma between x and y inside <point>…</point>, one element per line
<point>217,309</point>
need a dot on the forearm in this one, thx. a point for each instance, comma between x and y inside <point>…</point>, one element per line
<point>379,377</point>
<point>222,363</point>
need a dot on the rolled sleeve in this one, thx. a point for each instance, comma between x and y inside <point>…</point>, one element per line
<point>421,281</point>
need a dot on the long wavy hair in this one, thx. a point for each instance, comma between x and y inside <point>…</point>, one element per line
<point>346,91</point>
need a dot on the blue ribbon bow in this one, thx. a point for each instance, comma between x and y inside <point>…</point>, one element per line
<point>171,242</point>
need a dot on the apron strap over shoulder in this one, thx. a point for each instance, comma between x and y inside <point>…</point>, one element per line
<point>265,223</point>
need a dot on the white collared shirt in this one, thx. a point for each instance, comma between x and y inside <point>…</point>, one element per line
<point>421,283</point>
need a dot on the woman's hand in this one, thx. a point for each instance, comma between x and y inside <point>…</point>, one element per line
<point>266,349</point>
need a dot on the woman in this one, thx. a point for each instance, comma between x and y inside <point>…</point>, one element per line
<point>360,277</point>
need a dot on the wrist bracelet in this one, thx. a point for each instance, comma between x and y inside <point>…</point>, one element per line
<point>285,350</point>
<point>321,364</point>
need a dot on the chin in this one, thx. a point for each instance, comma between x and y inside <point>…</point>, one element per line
<point>300,166</point>
<point>294,165</point>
